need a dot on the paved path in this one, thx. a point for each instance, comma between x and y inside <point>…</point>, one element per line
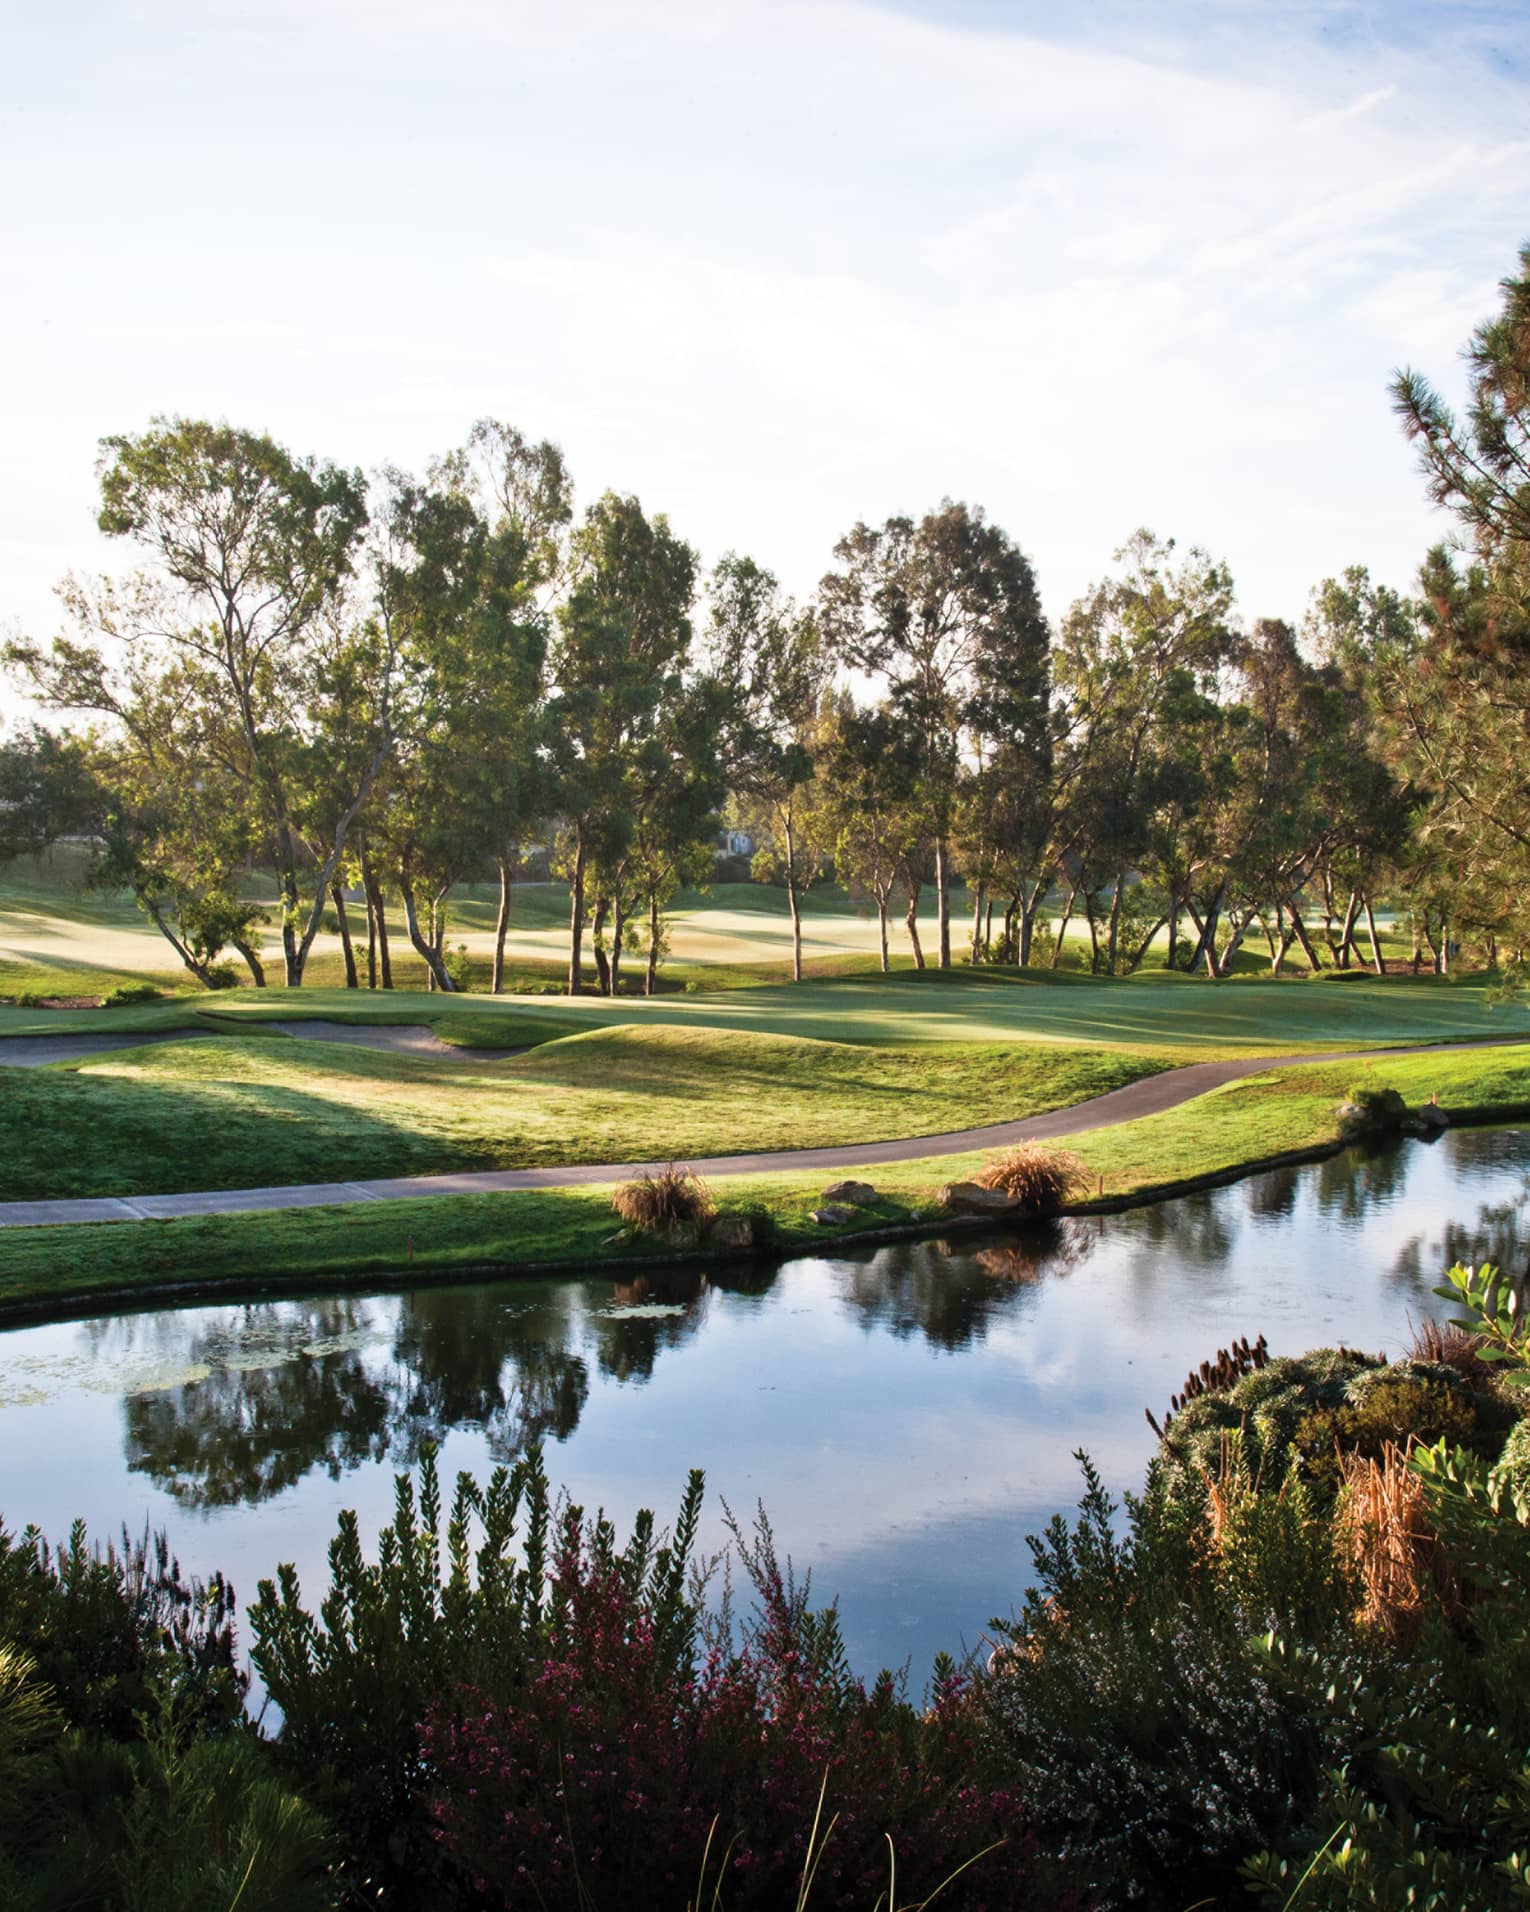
<point>1150,1096</point>
<point>402,1039</point>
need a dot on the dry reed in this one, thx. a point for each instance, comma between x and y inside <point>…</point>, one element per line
<point>1382,1524</point>
<point>1042,1180</point>
<point>670,1199</point>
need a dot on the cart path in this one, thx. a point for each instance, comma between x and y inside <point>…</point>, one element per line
<point>1149,1096</point>
<point>399,1039</point>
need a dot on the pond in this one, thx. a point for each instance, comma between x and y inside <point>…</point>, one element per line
<point>906,1416</point>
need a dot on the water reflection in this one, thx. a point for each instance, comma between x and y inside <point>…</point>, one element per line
<point>223,1407</point>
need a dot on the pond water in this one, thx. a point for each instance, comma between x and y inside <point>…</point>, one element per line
<point>906,1416</point>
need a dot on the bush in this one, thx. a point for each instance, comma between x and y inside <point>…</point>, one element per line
<point>126,993</point>
<point>617,1775</point>
<point>1385,1410</point>
<point>356,1682</point>
<point>1130,1701</point>
<point>670,1199</point>
<point>1265,1407</point>
<point>104,1629</point>
<point>1043,1180</point>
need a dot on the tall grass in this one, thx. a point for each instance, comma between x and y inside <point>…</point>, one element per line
<point>1041,1179</point>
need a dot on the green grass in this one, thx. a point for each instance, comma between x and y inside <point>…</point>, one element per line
<point>1153,1012</point>
<point>1281,1113</point>
<point>247,1108</point>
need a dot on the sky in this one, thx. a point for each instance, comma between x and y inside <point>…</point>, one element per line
<point>775,267</point>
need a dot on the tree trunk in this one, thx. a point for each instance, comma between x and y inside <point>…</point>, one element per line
<point>943,901</point>
<point>791,896</point>
<point>352,980</point>
<point>618,927</point>
<point>1347,937</point>
<point>651,980</point>
<point>979,897</point>
<point>202,971</point>
<point>1378,961</point>
<point>1062,924</point>
<point>882,928</point>
<point>1234,944</point>
<point>1206,948</point>
<point>1134,962</point>
<point>371,938</point>
<point>422,944</point>
<point>435,945</point>
<point>502,925</point>
<point>1113,942</point>
<point>911,919</point>
<point>576,921</point>
<point>1174,908</point>
<point>380,921</point>
<point>252,960</point>
<point>597,930</point>
<point>1299,929</point>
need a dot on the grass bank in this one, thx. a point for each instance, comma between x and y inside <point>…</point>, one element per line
<point>252,1108</point>
<point>1280,1114</point>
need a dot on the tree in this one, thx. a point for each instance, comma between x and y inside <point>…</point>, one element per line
<point>866,785</point>
<point>1453,696</point>
<point>769,657</point>
<point>1138,668</point>
<point>622,640</point>
<point>238,612</point>
<point>524,493</point>
<point>947,611</point>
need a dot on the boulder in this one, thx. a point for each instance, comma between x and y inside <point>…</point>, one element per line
<point>833,1215</point>
<point>857,1194</point>
<point>969,1198</point>
<point>1431,1116</point>
<point>740,1232</point>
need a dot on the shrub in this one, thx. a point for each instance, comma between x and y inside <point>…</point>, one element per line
<point>356,1681</point>
<point>103,1629</point>
<point>1042,1180</point>
<point>614,1775</point>
<point>1130,1702</point>
<point>667,1200</point>
<point>1392,1411</point>
<point>1266,1407</point>
<point>126,993</point>
<point>1377,1110</point>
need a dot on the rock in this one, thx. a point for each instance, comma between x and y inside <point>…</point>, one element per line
<point>740,1231</point>
<point>833,1215</point>
<point>682,1236</point>
<point>857,1194</point>
<point>1431,1116</point>
<point>1373,1111</point>
<point>968,1198</point>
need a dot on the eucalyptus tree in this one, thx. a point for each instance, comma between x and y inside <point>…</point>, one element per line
<point>524,493</point>
<point>769,656</point>
<point>236,614</point>
<point>621,642</point>
<point>1138,667</point>
<point>946,610</point>
<point>866,791</point>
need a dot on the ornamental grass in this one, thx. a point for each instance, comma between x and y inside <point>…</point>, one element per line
<point>1042,1180</point>
<point>670,1199</point>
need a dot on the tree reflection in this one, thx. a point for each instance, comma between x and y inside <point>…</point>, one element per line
<point>1194,1228</point>
<point>494,1358</point>
<point>261,1419</point>
<point>947,1294</point>
<point>653,1310</point>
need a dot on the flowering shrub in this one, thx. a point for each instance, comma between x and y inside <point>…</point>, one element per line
<point>610,1775</point>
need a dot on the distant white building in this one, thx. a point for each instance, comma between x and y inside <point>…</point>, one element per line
<point>737,843</point>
